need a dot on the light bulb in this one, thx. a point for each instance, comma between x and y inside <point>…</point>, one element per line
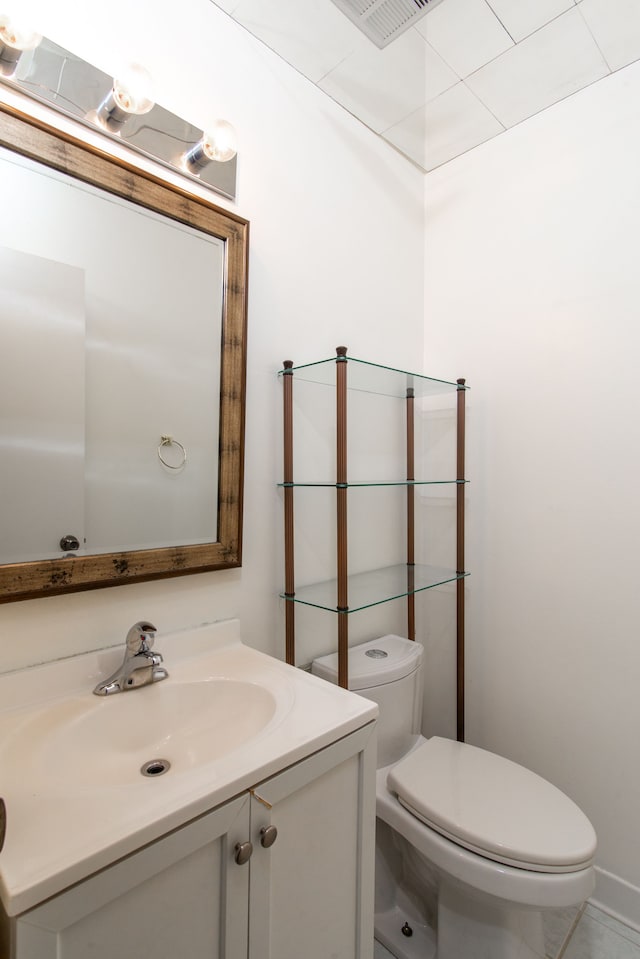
<point>133,90</point>
<point>15,38</point>
<point>218,143</point>
<point>130,95</point>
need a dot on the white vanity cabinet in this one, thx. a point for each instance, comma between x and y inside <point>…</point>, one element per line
<point>305,890</point>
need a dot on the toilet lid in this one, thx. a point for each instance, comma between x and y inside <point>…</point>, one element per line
<point>493,806</point>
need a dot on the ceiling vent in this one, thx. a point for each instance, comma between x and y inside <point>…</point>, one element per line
<point>384,20</point>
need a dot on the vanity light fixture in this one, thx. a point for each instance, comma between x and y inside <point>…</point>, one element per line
<point>130,95</point>
<point>15,39</point>
<point>122,107</point>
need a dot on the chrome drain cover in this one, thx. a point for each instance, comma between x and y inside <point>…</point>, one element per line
<point>155,767</point>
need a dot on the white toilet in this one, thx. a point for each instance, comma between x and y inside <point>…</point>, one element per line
<point>470,847</point>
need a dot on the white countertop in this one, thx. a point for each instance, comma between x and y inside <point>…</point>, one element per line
<point>64,823</point>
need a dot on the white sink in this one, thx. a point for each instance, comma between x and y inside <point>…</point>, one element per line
<point>83,741</point>
<point>226,718</point>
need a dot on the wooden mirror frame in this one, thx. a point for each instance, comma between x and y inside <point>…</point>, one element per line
<point>39,141</point>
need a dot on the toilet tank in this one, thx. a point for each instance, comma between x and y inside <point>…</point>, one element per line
<point>388,671</point>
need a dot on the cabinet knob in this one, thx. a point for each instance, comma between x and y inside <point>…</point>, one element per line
<point>69,542</point>
<point>268,835</point>
<point>243,852</point>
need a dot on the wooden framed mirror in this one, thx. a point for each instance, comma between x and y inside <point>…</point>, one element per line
<point>170,464</point>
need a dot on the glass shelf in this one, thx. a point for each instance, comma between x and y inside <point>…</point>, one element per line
<point>375,587</point>
<point>373,378</point>
<point>460,482</point>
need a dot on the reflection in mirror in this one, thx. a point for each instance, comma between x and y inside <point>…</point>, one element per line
<point>121,374</point>
<point>120,349</point>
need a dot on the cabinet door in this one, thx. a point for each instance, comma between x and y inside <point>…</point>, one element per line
<point>181,896</point>
<point>311,891</point>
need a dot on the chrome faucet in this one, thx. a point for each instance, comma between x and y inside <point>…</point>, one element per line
<point>141,667</point>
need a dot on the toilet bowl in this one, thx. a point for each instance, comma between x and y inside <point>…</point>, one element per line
<point>481,844</point>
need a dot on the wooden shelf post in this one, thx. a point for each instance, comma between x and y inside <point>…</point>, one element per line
<point>411,525</point>
<point>460,491</point>
<point>341,512</point>
<point>289,567</point>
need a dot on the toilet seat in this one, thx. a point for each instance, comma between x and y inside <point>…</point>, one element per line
<point>493,807</point>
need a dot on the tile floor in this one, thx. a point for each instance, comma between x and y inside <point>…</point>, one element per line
<point>586,933</point>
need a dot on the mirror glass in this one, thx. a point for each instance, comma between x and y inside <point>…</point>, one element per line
<point>121,374</point>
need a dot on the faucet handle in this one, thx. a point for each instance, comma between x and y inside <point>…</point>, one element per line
<point>140,637</point>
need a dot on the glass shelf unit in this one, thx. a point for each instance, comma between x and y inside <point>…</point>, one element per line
<point>346,594</point>
<point>374,587</point>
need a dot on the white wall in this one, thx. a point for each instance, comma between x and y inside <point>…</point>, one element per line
<point>532,292</point>
<point>337,234</point>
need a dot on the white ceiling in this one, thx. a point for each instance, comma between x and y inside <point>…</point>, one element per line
<point>467,71</point>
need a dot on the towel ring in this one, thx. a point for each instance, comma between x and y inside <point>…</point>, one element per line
<point>169,441</point>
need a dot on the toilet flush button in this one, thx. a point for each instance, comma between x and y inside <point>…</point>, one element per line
<point>376,653</point>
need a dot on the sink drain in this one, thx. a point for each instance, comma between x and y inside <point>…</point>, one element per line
<point>155,767</point>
